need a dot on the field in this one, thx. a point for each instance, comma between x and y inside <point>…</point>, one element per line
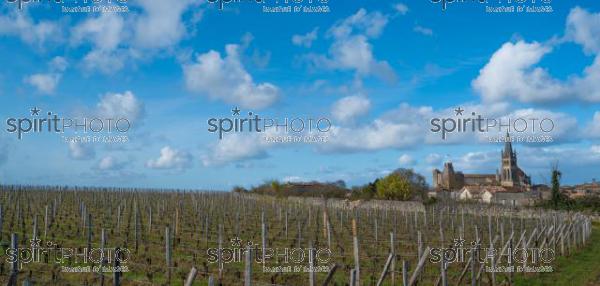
<point>582,268</point>
<point>164,237</point>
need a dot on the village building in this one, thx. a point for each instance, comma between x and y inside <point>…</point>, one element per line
<point>510,185</point>
<point>509,175</point>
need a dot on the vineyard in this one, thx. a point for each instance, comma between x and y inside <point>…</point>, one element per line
<point>55,236</point>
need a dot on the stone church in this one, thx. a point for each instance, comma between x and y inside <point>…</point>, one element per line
<point>509,176</point>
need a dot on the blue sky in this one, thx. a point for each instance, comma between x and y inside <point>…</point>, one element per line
<point>378,70</point>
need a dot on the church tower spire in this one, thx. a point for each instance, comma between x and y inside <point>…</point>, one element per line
<point>509,164</point>
<point>507,145</point>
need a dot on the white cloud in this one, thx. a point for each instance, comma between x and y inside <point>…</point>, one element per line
<point>170,159</point>
<point>81,151</point>
<point>583,28</point>
<point>362,22</point>
<point>110,163</point>
<point>433,159</point>
<point>104,32</point>
<point>58,64</point>
<point>44,82</point>
<point>160,25</point>
<point>511,73</point>
<point>401,8</point>
<point>226,79</point>
<point>423,30</point>
<point>235,147</point>
<point>350,107</point>
<point>387,131</point>
<point>479,161</point>
<point>406,160</point>
<point>379,134</point>
<point>305,40</point>
<point>565,127</point>
<point>351,49</point>
<point>593,128</point>
<point>38,33</point>
<point>116,40</point>
<point>588,86</point>
<point>568,157</point>
<point>106,62</point>
<point>409,126</point>
<point>117,105</point>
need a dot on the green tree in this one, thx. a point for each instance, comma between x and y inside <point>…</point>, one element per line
<point>556,197</point>
<point>418,184</point>
<point>394,187</point>
<point>276,186</point>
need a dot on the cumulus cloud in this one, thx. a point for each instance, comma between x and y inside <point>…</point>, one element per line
<point>401,8</point>
<point>81,151</point>
<point>369,23</point>
<point>106,62</point>
<point>583,28</point>
<point>513,71</point>
<point>593,128</point>
<point>587,87</point>
<point>561,127</point>
<point>235,147</point>
<point>350,107</point>
<point>540,160</point>
<point>385,132</point>
<point>58,64</point>
<point>479,161</point>
<point>409,126</point>
<point>121,105</point>
<point>44,82</point>
<point>160,25</point>
<point>305,40</point>
<point>226,79</point>
<point>171,159</point>
<point>104,32</point>
<point>38,33</point>
<point>351,49</point>
<point>406,160</point>
<point>116,40</point>
<point>110,163</point>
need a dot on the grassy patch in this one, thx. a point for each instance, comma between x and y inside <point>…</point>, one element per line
<point>581,268</point>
